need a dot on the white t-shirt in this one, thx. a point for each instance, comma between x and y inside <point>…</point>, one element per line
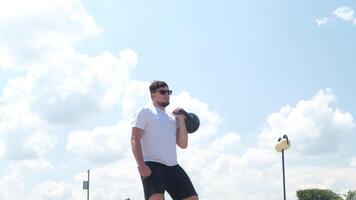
<point>159,138</point>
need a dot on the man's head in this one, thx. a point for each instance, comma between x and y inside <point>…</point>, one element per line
<point>160,93</point>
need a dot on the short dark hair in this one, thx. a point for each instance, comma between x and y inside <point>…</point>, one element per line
<point>157,84</point>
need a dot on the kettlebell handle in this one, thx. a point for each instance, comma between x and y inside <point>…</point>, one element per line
<point>182,111</point>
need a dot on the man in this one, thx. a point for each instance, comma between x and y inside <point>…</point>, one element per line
<point>155,134</point>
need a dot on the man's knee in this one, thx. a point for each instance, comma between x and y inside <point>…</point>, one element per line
<point>192,198</point>
<point>156,196</point>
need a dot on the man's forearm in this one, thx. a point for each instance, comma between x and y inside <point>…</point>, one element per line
<point>182,137</point>
<point>137,152</point>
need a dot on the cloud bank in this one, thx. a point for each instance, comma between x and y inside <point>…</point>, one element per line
<point>63,104</point>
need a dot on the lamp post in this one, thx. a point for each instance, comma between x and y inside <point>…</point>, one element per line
<point>283,144</point>
<point>86,184</point>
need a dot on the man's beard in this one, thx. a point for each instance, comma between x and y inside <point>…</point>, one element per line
<point>163,104</point>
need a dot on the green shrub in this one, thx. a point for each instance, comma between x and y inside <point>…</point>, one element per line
<point>317,194</point>
<point>351,195</point>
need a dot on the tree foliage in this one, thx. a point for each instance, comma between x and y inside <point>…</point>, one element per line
<point>351,195</point>
<point>317,194</point>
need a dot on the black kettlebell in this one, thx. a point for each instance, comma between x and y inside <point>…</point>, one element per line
<point>192,121</point>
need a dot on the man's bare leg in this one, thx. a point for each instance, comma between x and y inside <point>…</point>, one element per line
<point>192,198</point>
<point>157,196</point>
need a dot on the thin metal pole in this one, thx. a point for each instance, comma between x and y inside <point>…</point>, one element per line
<point>284,180</point>
<point>88,184</point>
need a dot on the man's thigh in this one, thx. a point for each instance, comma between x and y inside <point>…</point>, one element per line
<point>192,198</point>
<point>179,185</point>
<point>155,184</point>
<point>156,196</point>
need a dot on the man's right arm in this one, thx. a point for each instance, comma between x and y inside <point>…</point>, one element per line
<point>136,136</point>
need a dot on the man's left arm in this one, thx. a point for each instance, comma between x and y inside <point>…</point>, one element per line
<point>182,134</point>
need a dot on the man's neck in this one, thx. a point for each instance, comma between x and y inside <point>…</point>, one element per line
<point>159,107</point>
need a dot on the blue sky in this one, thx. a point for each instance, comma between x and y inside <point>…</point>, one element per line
<point>251,49</point>
<point>72,73</point>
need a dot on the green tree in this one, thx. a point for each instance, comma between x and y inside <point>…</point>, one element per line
<point>317,194</point>
<point>351,195</point>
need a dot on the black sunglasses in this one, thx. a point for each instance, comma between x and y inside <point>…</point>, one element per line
<point>164,92</point>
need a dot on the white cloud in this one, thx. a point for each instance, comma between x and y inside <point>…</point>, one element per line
<point>128,57</point>
<point>2,149</point>
<point>30,166</point>
<point>259,157</point>
<point>61,17</point>
<point>322,21</point>
<point>23,134</point>
<point>40,142</point>
<point>353,162</point>
<point>39,28</point>
<point>344,13</point>
<point>117,180</point>
<point>314,126</point>
<point>103,144</point>
<point>209,120</point>
<point>5,59</point>
<point>51,190</point>
<point>80,86</point>
<point>213,172</point>
<point>135,95</point>
<point>226,143</point>
<point>13,9</point>
<point>340,179</point>
<point>12,186</point>
<point>17,91</point>
<point>57,86</point>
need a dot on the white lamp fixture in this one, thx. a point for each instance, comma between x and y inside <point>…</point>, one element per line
<point>283,144</point>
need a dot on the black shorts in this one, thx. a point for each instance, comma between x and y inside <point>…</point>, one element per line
<point>172,179</point>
